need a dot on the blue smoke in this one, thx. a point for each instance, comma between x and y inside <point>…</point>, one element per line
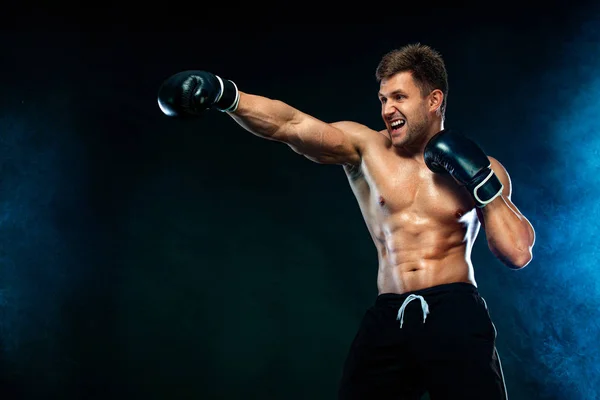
<point>37,267</point>
<point>559,323</point>
<point>29,175</point>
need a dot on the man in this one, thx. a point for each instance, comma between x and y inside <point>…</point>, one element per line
<point>424,192</point>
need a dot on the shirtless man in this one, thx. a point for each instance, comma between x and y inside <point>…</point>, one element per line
<point>424,193</point>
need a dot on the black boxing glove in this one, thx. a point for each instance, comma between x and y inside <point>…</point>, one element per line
<point>190,93</point>
<point>459,156</point>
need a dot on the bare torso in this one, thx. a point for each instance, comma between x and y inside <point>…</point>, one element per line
<point>423,225</point>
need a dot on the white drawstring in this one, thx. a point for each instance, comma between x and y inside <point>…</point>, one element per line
<point>410,298</point>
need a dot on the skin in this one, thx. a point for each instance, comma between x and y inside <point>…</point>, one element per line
<point>423,224</point>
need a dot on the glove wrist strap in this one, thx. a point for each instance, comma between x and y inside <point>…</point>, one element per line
<point>229,97</point>
<point>486,189</point>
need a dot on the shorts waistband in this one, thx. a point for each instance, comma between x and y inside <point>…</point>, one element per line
<point>455,287</point>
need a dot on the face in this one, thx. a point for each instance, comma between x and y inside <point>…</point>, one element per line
<point>403,109</point>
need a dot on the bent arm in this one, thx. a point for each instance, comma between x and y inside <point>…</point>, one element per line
<point>510,235</point>
<point>317,140</point>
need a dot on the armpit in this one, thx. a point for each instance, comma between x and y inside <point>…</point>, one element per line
<point>353,171</point>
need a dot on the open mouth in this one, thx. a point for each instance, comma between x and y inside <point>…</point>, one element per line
<point>397,125</point>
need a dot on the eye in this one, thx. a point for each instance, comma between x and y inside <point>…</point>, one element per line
<point>400,97</point>
<point>383,100</point>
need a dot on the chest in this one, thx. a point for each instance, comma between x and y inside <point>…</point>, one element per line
<point>390,184</point>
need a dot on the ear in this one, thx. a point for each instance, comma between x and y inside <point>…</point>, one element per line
<point>436,97</point>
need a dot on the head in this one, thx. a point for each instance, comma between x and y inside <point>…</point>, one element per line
<point>413,87</point>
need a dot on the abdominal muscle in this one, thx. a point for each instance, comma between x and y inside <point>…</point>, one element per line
<point>423,225</point>
<point>415,256</point>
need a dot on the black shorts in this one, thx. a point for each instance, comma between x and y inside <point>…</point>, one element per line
<point>452,355</point>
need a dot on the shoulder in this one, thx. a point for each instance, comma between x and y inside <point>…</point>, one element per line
<point>497,166</point>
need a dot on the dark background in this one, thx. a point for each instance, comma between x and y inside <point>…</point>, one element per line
<point>147,257</point>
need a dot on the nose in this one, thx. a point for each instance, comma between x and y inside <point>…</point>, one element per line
<point>388,110</point>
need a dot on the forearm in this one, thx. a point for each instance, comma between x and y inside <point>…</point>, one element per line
<point>510,235</point>
<point>264,117</point>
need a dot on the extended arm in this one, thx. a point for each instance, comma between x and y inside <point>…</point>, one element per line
<point>193,92</point>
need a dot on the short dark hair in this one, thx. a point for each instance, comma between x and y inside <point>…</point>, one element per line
<point>426,65</point>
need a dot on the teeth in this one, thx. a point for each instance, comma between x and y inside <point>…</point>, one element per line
<point>397,123</point>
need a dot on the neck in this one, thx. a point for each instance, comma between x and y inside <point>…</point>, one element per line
<point>432,131</point>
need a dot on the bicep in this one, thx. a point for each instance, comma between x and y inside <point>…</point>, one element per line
<point>325,143</point>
